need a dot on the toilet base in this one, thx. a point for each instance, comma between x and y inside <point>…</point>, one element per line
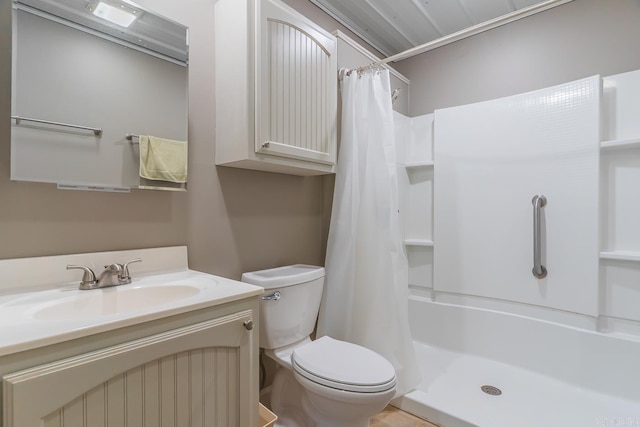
<point>299,406</point>
<point>286,400</point>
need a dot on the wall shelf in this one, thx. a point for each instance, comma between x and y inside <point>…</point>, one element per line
<point>416,165</point>
<point>621,256</point>
<point>620,144</point>
<point>418,242</point>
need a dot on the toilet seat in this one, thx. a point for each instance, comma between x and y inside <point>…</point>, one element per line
<point>343,366</point>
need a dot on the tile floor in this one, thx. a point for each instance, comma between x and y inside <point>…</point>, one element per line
<point>394,417</point>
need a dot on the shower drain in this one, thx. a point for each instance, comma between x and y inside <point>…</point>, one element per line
<point>489,389</point>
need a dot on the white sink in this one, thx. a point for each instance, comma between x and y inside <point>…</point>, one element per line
<point>115,300</point>
<point>40,303</point>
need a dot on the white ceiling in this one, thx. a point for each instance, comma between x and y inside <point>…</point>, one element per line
<point>393,26</point>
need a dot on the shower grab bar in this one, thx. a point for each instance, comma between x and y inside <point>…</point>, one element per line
<point>18,119</point>
<point>539,271</point>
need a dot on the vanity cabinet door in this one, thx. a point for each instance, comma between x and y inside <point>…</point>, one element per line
<point>199,375</point>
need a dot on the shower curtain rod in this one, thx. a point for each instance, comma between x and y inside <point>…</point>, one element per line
<point>467,32</point>
<point>341,73</point>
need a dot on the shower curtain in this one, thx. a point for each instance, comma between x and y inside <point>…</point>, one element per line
<point>365,297</point>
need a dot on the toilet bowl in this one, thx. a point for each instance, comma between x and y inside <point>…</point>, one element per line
<point>321,383</point>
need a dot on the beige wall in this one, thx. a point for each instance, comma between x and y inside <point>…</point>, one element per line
<point>232,220</point>
<point>575,40</point>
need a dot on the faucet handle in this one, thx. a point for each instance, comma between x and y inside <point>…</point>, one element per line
<point>125,269</point>
<point>88,278</point>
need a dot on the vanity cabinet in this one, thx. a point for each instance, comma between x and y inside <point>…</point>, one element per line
<point>196,369</point>
<point>276,89</point>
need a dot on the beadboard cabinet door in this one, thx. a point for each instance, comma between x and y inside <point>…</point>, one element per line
<point>198,375</point>
<point>276,89</point>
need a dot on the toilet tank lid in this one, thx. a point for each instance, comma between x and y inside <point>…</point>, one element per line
<point>283,276</point>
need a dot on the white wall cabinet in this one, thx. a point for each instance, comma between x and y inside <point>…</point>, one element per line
<point>276,89</point>
<point>197,374</point>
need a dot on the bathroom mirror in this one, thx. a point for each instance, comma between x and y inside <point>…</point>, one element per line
<point>89,77</point>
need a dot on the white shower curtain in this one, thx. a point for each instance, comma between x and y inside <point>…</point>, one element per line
<point>365,297</point>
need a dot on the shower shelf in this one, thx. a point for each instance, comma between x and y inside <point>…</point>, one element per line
<point>418,242</point>
<point>621,256</point>
<point>620,144</point>
<point>415,165</point>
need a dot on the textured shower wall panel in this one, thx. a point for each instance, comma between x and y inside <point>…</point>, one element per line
<point>420,146</point>
<point>419,215</point>
<point>620,175</point>
<point>620,106</point>
<point>621,201</point>
<point>492,158</point>
<point>414,139</point>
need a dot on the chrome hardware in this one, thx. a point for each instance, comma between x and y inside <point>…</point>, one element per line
<point>273,297</point>
<point>113,275</point>
<point>265,144</point>
<point>539,271</point>
<point>491,390</point>
<point>248,324</point>
<point>131,136</point>
<point>394,95</point>
<point>106,278</point>
<point>88,278</point>
<point>18,119</point>
<point>125,277</point>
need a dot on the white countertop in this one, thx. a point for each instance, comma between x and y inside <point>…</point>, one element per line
<point>23,325</point>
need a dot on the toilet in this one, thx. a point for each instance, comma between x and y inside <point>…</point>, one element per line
<point>321,383</point>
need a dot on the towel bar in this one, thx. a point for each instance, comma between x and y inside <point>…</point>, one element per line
<point>18,119</point>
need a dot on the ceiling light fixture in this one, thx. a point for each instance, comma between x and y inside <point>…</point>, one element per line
<point>117,15</point>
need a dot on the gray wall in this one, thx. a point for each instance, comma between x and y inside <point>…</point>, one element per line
<point>575,40</point>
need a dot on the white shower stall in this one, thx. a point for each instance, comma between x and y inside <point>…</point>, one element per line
<point>558,348</point>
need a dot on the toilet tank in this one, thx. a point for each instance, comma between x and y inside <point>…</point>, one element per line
<point>290,304</point>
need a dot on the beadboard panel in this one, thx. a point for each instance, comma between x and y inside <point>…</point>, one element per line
<point>298,94</point>
<point>299,70</point>
<point>276,89</point>
<point>187,376</point>
<point>175,390</point>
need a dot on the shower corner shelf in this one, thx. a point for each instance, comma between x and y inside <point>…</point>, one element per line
<point>418,242</point>
<point>416,165</point>
<point>621,256</point>
<point>620,144</point>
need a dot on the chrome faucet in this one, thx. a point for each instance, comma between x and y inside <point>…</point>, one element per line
<point>108,277</point>
<point>113,275</point>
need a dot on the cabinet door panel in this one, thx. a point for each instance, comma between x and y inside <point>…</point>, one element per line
<point>151,381</point>
<point>297,100</point>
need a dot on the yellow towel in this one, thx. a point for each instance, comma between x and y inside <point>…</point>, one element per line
<point>163,159</point>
